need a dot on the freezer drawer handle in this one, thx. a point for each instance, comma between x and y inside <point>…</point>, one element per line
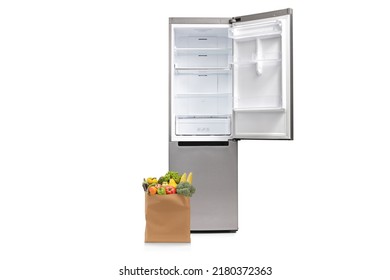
<point>202,39</point>
<point>203,143</point>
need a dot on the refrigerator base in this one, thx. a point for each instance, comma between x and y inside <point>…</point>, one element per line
<point>213,231</point>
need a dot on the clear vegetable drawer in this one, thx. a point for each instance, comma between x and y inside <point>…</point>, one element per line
<point>203,126</point>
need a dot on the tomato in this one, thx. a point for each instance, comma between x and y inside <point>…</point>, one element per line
<point>170,190</point>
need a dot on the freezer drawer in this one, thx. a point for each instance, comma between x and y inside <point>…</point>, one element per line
<point>214,206</point>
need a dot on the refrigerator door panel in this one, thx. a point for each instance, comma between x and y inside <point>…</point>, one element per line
<point>262,76</point>
<point>214,206</point>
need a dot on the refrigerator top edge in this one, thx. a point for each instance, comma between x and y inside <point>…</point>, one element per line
<point>198,20</point>
<point>271,14</point>
<point>224,20</point>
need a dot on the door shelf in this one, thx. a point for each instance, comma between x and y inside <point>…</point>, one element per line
<point>256,26</point>
<point>259,109</point>
<point>255,31</point>
<point>248,37</point>
<point>265,61</point>
<point>267,123</point>
<point>203,70</point>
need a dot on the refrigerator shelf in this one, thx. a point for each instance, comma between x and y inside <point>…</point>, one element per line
<point>202,50</point>
<point>203,104</point>
<point>202,94</point>
<point>259,109</point>
<point>215,116</point>
<point>203,70</point>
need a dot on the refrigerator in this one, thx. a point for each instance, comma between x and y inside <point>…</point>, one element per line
<point>230,79</point>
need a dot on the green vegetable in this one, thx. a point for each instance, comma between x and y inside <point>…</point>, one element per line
<point>185,189</point>
<point>161,180</point>
<point>161,191</point>
<point>173,175</point>
<point>170,175</point>
<point>185,192</point>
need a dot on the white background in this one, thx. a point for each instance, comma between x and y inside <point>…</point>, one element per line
<point>84,117</point>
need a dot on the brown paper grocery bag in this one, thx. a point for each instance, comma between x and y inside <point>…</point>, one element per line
<point>167,218</point>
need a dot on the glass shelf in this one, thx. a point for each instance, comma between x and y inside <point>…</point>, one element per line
<point>202,50</point>
<point>260,109</point>
<point>203,70</point>
<point>213,116</point>
<point>202,94</point>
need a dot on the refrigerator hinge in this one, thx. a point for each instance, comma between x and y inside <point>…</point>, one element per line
<point>234,20</point>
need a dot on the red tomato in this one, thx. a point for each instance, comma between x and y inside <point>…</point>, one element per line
<point>170,190</point>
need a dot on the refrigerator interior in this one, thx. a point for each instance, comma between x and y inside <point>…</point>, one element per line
<point>201,81</point>
<point>231,81</point>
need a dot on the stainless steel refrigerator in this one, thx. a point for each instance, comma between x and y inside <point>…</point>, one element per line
<point>230,79</point>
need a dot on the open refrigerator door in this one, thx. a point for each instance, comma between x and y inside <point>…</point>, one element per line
<point>262,106</point>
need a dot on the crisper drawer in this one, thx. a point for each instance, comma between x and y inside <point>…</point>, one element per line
<point>202,126</point>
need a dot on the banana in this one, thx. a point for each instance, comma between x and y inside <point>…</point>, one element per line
<point>189,178</point>
<point>172,183</point>
<point>183,178</point>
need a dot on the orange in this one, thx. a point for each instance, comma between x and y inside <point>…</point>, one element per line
<point>152,190</point>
